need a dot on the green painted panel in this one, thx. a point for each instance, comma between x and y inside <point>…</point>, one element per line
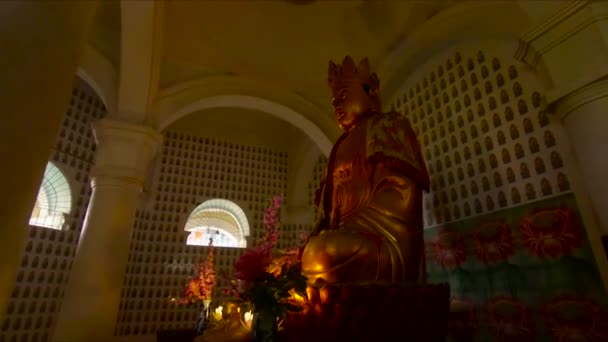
<point>524,273</point>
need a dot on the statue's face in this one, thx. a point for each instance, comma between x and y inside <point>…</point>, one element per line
<point>350,103</point>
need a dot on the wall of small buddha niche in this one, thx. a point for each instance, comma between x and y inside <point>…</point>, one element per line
<point>318,175</point>
<point>502,225</point>
<point>190,170</point>
<point>486,139</point>
<point>48,254</point>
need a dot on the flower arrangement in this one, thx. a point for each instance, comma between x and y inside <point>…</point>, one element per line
<point>267,281</point>
<point>200,288</point>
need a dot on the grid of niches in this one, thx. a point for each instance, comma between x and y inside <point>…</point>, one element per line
<point>48,253</point>
<point>486,139</point>
<point>189,171</point>
<point>318,175</point>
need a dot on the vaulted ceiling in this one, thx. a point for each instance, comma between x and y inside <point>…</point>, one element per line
<point>247,58</point>
<point>280,44</point>
<point>284,44</point>
<point>105,33</point>
<point>278,50</point>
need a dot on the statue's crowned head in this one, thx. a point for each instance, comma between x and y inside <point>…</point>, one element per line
<point>355,91</point>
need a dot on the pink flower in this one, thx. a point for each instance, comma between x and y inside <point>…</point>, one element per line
<point>201,286</point>
<point>272,223</point>
<point>277,201</point>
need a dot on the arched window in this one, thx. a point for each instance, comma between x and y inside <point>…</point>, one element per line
<point>54,200</point>
<point>220,219</point>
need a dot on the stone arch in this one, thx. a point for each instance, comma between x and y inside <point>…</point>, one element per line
<point>101,76</point>
<point>231,92</point>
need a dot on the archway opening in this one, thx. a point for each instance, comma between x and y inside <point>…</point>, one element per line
<point>220,220</point>
<point>54,200</point>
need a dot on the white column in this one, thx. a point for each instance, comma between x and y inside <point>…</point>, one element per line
<point>41,42</point>
<point>558,51</point>
<point>584,114</point>
<point>90,306</point>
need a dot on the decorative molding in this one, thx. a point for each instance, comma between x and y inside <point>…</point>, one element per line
<point>527,54</point>
<point>581,97</point>
<point>112,127</point>
<point>568,10</point>
<point>548,34</point>
<point>556,48</point>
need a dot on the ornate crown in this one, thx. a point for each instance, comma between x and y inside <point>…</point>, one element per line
<point>339,75</point>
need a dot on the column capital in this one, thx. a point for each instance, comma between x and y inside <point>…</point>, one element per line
<point>580,97</point>
<point>124,151</point>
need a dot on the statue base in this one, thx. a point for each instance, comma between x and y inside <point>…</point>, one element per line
<point>371,313</point>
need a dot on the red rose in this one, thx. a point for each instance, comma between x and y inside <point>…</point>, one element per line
<point>251,266</point>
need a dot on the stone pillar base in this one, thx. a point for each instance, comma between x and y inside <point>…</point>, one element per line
<point>371,313</point>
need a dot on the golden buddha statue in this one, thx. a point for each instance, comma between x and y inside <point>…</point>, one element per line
<point>371,230</point>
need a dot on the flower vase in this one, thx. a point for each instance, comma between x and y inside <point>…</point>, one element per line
<point>203,320</point>
<point>264,327</point>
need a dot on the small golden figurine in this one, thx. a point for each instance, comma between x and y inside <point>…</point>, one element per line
<point>371,199</point>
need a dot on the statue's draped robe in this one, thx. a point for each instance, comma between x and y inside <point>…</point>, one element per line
<point>377,161</point>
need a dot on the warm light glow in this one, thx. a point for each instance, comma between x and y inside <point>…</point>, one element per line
<point>248,318</point>
<point>217,314</point>
<point>297,297</point>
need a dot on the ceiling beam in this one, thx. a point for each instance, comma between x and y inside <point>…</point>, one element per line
<point>140,58</point>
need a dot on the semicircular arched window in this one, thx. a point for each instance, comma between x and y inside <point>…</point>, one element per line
<point>220,219</point>
<point>54,201</point>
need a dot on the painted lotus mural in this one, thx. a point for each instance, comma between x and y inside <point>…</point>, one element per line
<point>522,274</point>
